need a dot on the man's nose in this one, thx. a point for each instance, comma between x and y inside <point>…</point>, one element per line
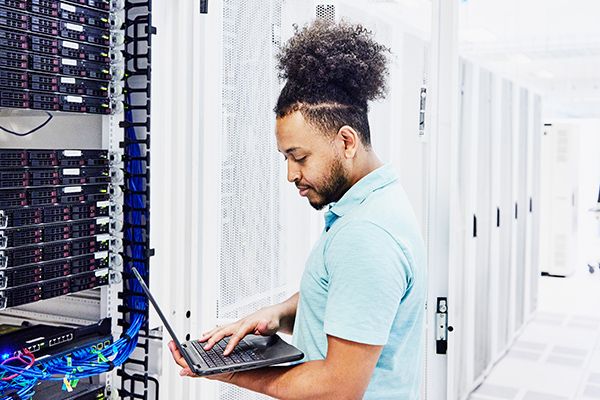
<point>293,174</point>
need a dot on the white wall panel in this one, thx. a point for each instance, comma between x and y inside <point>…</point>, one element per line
<point>506,211</point>
<point>536,138</point>
<point>496,272</point>
<point>483,214</point>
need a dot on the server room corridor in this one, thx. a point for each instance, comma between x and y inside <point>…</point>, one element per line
<point>196,157</point>
<point>557,356</point>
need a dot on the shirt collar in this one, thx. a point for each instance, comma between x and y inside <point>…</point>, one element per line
<point>376,179</point>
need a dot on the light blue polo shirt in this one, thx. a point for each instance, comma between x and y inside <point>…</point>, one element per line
<point>365,281</point>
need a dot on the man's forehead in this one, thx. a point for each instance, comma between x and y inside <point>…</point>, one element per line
<point>294,134</point>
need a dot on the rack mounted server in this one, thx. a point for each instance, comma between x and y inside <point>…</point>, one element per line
<point>57,56</point>
<point>55,224</point>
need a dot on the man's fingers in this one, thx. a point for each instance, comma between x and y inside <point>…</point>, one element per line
<point>237,337</point>
<point>261,328</point>
<point>216,337</point>
<point>206,335</point>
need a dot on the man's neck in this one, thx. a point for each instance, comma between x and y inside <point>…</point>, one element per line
<point>370,164</point>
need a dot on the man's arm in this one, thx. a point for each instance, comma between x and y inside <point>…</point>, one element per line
<point>344,374</point>
<point>288,313</point>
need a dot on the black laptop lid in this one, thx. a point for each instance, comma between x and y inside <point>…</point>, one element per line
<point>157,308</point>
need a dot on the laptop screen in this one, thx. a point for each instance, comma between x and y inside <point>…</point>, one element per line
<point>156,307</point>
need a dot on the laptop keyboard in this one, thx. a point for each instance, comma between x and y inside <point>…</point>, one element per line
<point>215,358</point>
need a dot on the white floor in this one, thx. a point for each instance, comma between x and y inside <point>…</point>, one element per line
<point>557,357</point>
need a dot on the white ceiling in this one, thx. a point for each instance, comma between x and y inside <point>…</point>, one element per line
<point>552,46</point>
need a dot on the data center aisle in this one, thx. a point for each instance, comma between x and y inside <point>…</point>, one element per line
<point>557,357</point>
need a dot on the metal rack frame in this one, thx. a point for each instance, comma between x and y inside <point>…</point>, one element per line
<point>137,89</point>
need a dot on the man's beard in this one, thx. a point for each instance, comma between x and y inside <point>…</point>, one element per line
<point>332,187</point>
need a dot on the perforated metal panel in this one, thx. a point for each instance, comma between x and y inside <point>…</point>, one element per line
<point>250,252</point>
<point>326,12</point>
<point>250,273</point>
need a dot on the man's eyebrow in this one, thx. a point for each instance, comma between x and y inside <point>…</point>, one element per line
<point>291,150</point>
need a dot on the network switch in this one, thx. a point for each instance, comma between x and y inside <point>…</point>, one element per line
<point>27,216</point>
<point>55,287</point>
<point>47,340</point>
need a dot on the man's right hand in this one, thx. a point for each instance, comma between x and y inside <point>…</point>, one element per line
<point>265,322</point>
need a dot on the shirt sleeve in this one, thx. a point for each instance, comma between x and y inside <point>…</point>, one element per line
<point>369,275</point>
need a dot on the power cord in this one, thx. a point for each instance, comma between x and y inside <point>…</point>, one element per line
<point>50,116</point>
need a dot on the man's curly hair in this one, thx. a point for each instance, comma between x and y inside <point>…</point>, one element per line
<point>333,70</point>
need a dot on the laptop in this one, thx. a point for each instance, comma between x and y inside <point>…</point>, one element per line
<point>251,352</point>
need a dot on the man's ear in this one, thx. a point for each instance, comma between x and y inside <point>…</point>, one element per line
<point>350,139</point>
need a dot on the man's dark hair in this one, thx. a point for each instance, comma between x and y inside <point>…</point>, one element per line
<point>333,70</point>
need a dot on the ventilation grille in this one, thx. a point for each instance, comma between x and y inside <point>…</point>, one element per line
<point>250,268</point>
<point>326,12</point>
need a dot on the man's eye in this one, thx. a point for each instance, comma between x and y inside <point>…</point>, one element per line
<point>301,159</point>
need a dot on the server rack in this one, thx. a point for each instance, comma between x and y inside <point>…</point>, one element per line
<point>71,220</point>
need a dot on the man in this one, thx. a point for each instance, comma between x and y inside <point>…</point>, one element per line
<point>359,314</point>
